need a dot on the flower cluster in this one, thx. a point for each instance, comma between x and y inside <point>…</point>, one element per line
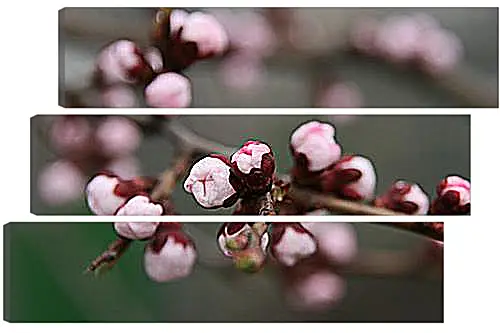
<point>83,145</point>
<point>108,194</point>
<point>319,165</point>
<point>404,39</point>
<point>179,40</point>
<point>217,181</point>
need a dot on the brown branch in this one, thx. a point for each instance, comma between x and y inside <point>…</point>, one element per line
<point>337,205</point>
<point>187,139</point>
<point>111,255</point>
<point>169,178</point>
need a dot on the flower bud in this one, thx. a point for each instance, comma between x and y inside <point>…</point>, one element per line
<point>242,72</point>
<point>102,197</point>
<point>453,197</point>
<point>398,38</point>
<point>168,90</point>
<point>136,230</point>
<point>254,165</point>
<point>70,134</point>
<point>177,19</point>
<point>118,136</point>
<point>208,34</point>
<point>291,242</point>
<point>353,177</point>
<point>337,241</point>
<point>208,182</point>
<point>60,182</point>
<point>439,51</point>
<point>120,62</point>
<point>170,256</point>
<point>140,205</point>
<point>314,143</point>
<point>405,198</point>
<point>317,290</point>
<point>237,236</point>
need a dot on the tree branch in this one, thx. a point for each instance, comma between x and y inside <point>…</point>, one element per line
<point>110,256</point>
<point>334,204</point>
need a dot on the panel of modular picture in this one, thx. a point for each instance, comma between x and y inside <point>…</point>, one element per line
<point>278,57</point>
<point>327,272</point>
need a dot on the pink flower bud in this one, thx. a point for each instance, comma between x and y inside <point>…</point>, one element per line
<point>242,72</point>
<point>70,134</point>
<point>249,32</point>
<point>136,230</point>
<point>120,62</point>
<point>315,142</point>
<point>291,242</point>
<point>208,182</point>
<point>170,256</point>
<point>177,19</point>
<point>102,197</point>
<point>405,198</point>
<point>118,96</point>
<point>453,197</point>
<point>168,90</point>
<point>353,177</point>
<point>254,165</point>
<point>398,38</point>
<point>140,205</point>
<point>336,241</point>
<point>60,183</point>
<point>208,34</point>
<point>118,136</point>
<point>317,291</point>
<point>439,51</point>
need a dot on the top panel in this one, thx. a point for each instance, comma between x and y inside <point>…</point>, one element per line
<point>279,57</point>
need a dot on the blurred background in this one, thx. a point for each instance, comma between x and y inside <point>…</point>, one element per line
<point>44,282</point>
<point>422,149</point>
<point>313,57</point>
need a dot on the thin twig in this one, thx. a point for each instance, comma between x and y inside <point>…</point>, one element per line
<point>170,177</point>
<point>319,200</point>
<point>187,139</point>
<point>111,255</point>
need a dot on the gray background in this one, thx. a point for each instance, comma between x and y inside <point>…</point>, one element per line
<point>291,74</point>
<point>421,149</point>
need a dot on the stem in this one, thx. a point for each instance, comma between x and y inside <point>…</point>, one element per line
<point>318,200</point>
<point>187,139</point>
<point>168,179</point>
<point>111,255</point>
<point>267,205</point>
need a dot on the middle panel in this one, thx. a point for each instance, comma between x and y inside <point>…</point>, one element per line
<point>250,165</point>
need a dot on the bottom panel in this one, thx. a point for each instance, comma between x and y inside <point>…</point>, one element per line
<point>208,272</point>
